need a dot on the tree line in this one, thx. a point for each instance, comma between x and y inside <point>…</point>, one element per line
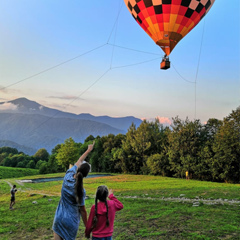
<point>209,151</point>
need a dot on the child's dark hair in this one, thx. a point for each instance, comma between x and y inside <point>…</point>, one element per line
<point>82,172</point>
<point>101,195</point>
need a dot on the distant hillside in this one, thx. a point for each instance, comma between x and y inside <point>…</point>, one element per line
<point>20,148</point>
<point>121,122</point>
<point>37,131</point>
<point>29,126</point>
<point>23,105</point>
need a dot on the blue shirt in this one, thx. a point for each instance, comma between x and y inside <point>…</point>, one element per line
<point>67,216</point>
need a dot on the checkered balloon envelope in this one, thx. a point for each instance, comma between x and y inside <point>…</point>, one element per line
<point>168,21</point>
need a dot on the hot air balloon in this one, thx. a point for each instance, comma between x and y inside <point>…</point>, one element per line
<point>168,21</point>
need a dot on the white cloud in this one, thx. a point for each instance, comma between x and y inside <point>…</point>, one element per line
<point>8,106</point>
<point>162,120</point>
<point>66,97</point>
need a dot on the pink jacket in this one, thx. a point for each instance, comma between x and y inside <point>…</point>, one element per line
<point>101,230</point>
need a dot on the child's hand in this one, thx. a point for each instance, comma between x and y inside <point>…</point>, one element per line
<point>90,147</point>
<point>110,191</point>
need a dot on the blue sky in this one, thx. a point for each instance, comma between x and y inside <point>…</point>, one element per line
<point>110,66</point>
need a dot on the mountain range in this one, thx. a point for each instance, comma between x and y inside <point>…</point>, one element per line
<point>29,126</point>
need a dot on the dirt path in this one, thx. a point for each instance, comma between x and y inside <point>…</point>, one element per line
<point>195,201</point>
<point>29,190</point>
<point>8,183</point>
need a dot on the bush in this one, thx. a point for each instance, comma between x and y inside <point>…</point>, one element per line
<point>43,168</point>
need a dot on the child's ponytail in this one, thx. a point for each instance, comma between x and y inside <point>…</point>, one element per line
<point>107,223</point>
<point>95,219</point>
<point>79,187</point>
<point>82,172</point>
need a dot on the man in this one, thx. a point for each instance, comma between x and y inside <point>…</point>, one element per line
<point>13,191</point>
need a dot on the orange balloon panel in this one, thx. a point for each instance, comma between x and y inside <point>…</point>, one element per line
<point>168,21</point>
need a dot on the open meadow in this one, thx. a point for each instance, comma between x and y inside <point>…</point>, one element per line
<point>154,208</point>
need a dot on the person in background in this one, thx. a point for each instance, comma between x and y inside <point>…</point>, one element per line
<point>71,206</point>
<point>102,214</point>
<point>13,191</point>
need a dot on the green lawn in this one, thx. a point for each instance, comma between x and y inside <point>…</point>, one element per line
<point>9,172</point>
<point>146,214</point>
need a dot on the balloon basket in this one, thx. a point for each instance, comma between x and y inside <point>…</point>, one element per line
<point>165,64</point>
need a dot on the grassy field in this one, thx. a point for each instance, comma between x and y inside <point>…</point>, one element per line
<point>154,208</point>
<point>9,172</point>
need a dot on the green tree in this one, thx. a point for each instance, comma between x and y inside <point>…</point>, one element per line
<point>110,144</point>
<point>7,162</point>
<point>53,166</point>
<point>24,163</point>
<point>3,155</point>
<point>127,155</point>
<point>16,159</point>
<point>158,164</point>
<point>21,165</point>
<point>95,156</point>
<point>41,154</point>
<point>185,143</point>
<point>207,154</point>
<point>90,138</point>
<point>139,144</point>
<point>107,143</point>
<point>55,149</point>
<point>31,164</point>
<point>226,162</point>
<point>68,153</point>
<point>8,150</point>
<point>115,162</point>
<point>39,163</point>
<point>44,168</point>
<point>174,140</point>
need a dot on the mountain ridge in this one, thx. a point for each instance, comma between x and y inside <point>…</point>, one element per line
<point>34,126</point>
<point>23,105</point>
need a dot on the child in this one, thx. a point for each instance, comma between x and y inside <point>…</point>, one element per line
<point>102,214</point>
<point>13,191</point>
<point>71,207</point>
